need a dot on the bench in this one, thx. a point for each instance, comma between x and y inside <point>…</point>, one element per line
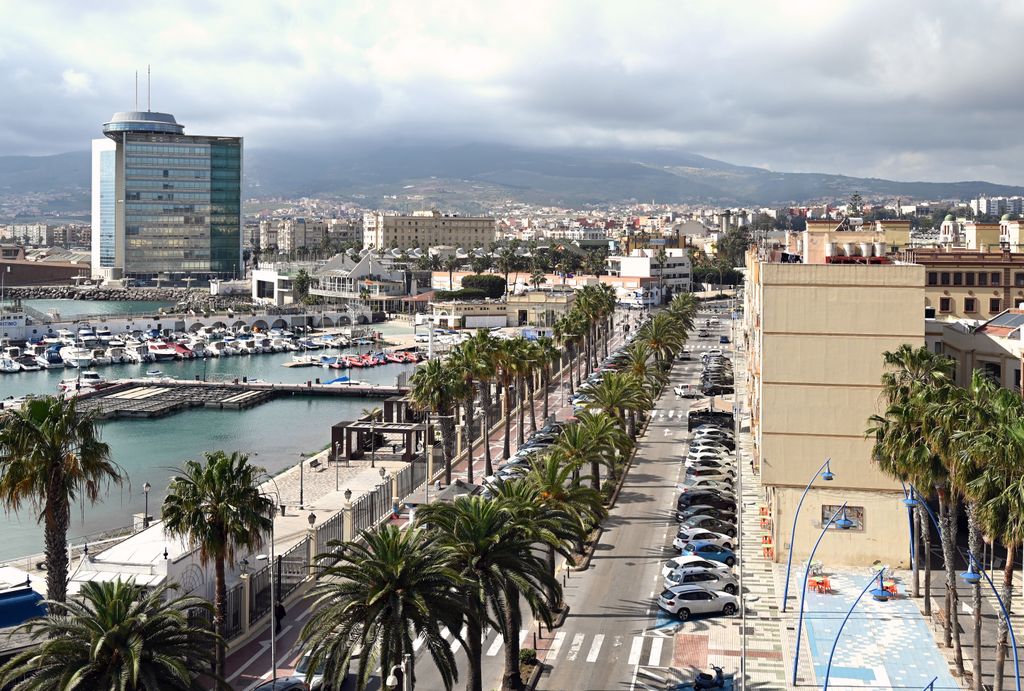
<point>315,464</point>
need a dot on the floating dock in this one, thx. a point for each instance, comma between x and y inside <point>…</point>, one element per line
<point>149,398</point>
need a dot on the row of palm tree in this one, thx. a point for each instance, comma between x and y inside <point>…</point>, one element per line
<point>477,562</point>
<point>120,635</point>
<point>963,447</point>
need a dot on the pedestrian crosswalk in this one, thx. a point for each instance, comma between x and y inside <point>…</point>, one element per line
<point>651,650</point>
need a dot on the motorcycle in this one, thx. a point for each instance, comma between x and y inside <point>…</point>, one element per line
<point>708,681</point>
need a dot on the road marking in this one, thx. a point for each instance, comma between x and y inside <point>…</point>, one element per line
<point>635,650</point>
<point>655,656</point>
<point>595,648</point>
<point>418,643</point>
<point>495,646</point>
<point>556,646</point>
<point>251,661</point>
<point>456,646</point>
<point>574,648</point>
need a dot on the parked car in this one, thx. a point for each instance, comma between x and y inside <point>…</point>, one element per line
<point>686,600</point>
<point>723,340</point>
<point>687,535</point>
<point>725,513</point>
<point>713,523</point>
<point>690,562</point>
<point>711,551</point>
<point>714,474</point>
<point>705,497</point>
<point>691,484</point>
<point>706,579</point>
<point>719,464</point>
<point>292,683</point>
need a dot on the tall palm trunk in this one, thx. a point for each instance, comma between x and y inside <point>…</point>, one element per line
<point>219,599</point>
<point>915,531</point>
<point>512,621</point>
<point>974,543</point>
<point>485,401</point>
<point>926,545</point>
<point>506,449</point>
<point>57,520</point>
<point>545,382</point>
<point>568,365</point>
<point>468,432</point>
<point>948,557</point>
<point>552,592</point>
<point>521,405</point>
<point>1007,596</point>
<point>595,475</point>
<point>474,632</point>
<point>531,396</point>
<point>447,425</point>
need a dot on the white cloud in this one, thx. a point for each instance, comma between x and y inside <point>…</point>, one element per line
<point>864,87</point>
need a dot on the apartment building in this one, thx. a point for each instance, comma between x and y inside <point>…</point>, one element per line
<point>814,337</point>
<point>969,284</point>
<point>847,241</point>
<point>668,267</point>
<point>426,229</point>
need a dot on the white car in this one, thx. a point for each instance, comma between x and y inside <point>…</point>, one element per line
<point>691,484</point>
<point>698,456</point>
<point>686,600</point>
<point>712,433</point>
<point>702,472</point>
<point>714,465</point>
<point>687,535</point>
<point>690,562</point>
<point>705,579</point>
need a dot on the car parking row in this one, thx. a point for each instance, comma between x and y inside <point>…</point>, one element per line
<point>701,581</point>
<point>716,378</point>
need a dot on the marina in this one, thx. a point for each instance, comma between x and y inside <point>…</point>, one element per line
<point>149,398</point>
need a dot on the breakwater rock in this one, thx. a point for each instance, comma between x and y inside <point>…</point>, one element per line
<point>184,299</point>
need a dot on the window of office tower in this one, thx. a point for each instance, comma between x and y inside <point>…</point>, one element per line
<point>167,204</point>
<point>225,205</point>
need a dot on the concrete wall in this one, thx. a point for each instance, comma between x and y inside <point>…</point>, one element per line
<point>818,333</point>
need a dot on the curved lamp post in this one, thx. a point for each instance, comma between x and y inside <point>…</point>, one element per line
<point>973,576</point>
<point>879,593</point>
<point>825,471</point>
<point>843,523</point>
<point>931,685</point>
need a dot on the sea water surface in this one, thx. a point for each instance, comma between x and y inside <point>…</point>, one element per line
<point>273,433</point>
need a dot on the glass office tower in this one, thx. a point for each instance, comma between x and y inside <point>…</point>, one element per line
<point>165,204</point>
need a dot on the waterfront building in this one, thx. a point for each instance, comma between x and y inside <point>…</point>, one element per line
<point>469,314</point>
<point>365,282</point>
<point>814,338</point>
<point>165,204</point>
<point>539,308</point>
<point>426,229</point>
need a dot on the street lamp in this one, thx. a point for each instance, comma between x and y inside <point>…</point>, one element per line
<point>302,479</point>
<point>400,674</point>
<point>879,593</point>
<point>270,560</point>
<point>973,576</point>
<point>825,471</point>
<point>145,516</point>
<point>337,479</point>
<point>843,523</point>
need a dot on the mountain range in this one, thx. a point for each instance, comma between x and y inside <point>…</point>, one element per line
<point>477,177</point>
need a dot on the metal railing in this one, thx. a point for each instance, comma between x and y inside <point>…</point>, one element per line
<point>293,568</point>
<point>259,593</point>
<point>331,529</point>
<point>233,612</point>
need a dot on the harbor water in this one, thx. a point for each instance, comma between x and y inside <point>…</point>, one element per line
<point>273,434</point>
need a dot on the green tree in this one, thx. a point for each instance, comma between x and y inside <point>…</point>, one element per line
<point>537,279</point>
<point>218,508</point>
<point>733,245</point>
<point>50,455</point>
<point>491,546</point>
<point>380,596</point>
<point>451,265</point>
<point>300,285</point>
<point>120,636</point>
<point>433,388</point>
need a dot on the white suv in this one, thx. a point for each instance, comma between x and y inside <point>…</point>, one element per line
<point>689,562</point>
<point>686,600</point>
<point>705,579</point>
<point>688,535</point>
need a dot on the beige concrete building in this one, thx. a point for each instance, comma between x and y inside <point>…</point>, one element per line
<point>969,284</point>
<point>469,314</point>
<point>539,308</point>
<point>828,241</point>
<point>815,334</point>
<point>996,347</point>
<point>426,229</point>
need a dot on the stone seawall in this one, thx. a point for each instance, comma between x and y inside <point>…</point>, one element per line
<point>183,298</point>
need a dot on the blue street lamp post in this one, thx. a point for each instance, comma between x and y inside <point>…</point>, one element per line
<point>972,576</point>
<point>879,593</point>
<point>931,685</point>
<point>826,474</point>
<point>843,523</point>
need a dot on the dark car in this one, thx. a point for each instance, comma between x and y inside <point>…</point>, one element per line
<point>710,498</point>
<point>722,513</point>
<point>284,684</point>
<point>715,525</point>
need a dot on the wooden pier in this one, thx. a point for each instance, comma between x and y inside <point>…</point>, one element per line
<point>150,398</point>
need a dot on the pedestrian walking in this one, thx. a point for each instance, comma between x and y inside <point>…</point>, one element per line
<point>279,613</point>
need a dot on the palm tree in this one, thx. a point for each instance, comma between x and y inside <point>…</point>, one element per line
<point>50,455</point>
<point>451,264</point>
<point>556,492</point>
<point>486,370</point>
<point>465,363</point>
<point>381,596</point>
<point>610,441</point>
<point>506,367</point>
<point>491,549</point>
<point>120,636</point>
<point>620,395</point>
<point>663,335</point>
<point>547,356</point>
<point>432,387</point>
<point>638,358</point>
<point>537,279</point>
<point>532,364</point>
<point>219,509</point>
<point>522,368</point>
<point>683,309</point>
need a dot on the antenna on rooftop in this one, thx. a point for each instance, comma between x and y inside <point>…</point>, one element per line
<point>136,89</point>
<point>149,90</point>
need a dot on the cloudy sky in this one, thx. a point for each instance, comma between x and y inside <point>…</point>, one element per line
<point>925,90</point>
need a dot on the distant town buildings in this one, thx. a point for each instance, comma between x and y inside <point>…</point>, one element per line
<point>426,229</point>
<point>165,204</point>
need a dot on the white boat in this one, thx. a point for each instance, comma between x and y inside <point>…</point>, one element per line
<point>92,379</point>
<point>28,363</point>
<point>117,354</point>
<point>9,366</point>
<point>153,373</point>
<point>137,351</point>
<point>100,357</point>
<point>75,356</point>
<point>103,333</point>
<point>162,351</point>
<point>50,357</point>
